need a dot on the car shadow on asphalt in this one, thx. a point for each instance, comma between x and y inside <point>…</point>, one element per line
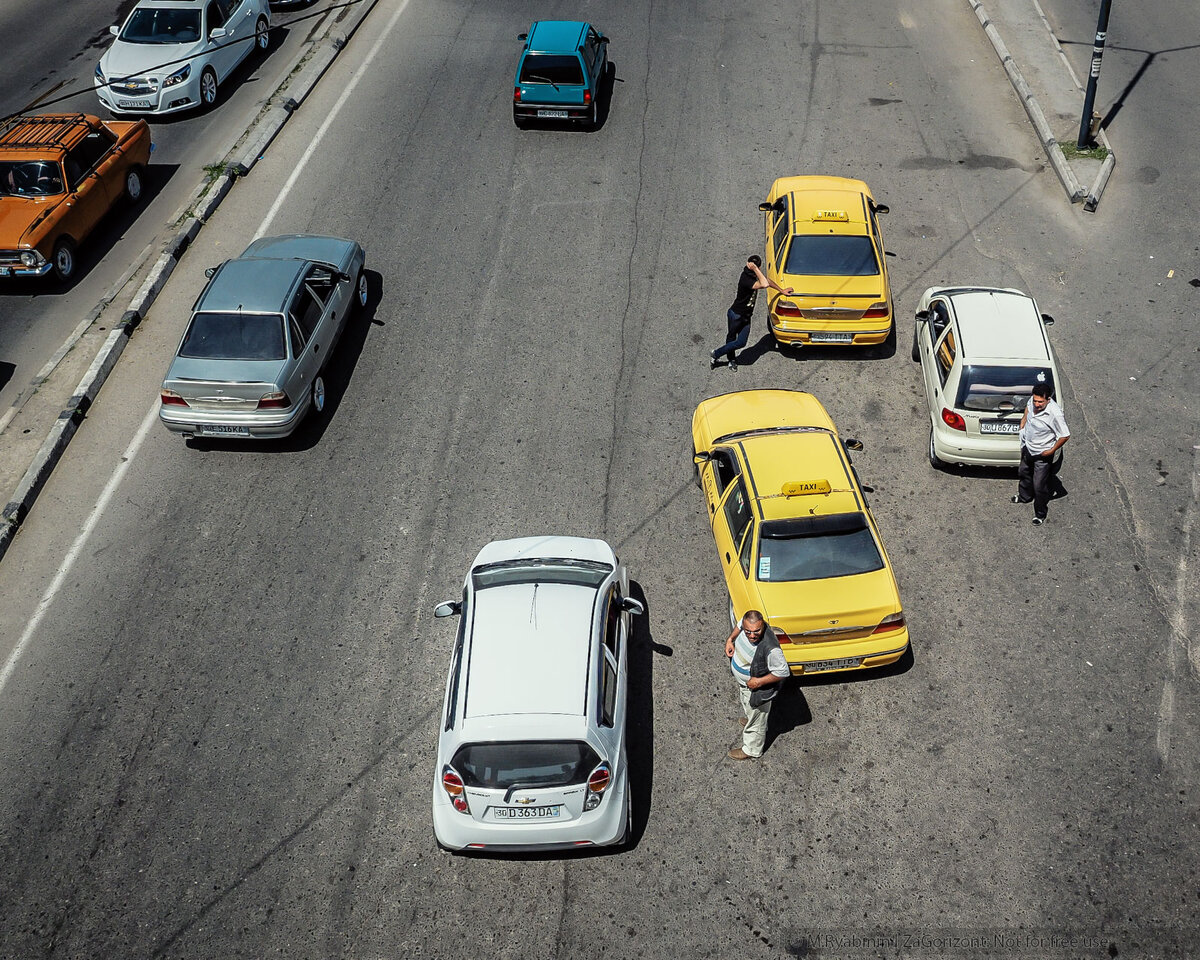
<point>337,373</point>
<point>767,344</point>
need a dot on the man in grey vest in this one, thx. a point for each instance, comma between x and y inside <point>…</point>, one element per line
<point>758,666</point>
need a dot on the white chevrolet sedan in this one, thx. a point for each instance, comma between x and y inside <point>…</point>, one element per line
<point>171,55</point>
<point>982,350</point>
<point>531,753</point>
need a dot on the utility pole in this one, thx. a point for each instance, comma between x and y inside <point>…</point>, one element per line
<point>1089,99</point>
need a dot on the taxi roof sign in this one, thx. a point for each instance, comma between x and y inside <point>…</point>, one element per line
<point>802,488</point>
<point>841,215</point>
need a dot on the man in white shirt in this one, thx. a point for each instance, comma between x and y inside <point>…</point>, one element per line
<point>1043,432</point>
<point>758,665</point>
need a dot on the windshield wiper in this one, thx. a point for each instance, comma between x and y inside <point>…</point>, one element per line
<point>543,80</point>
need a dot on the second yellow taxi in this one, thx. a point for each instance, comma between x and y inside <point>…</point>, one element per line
<point>823,241</point>
<point>794,534</point>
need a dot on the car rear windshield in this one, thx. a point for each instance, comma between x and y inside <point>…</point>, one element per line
<point>539,763</point>
<point>832,257</point>
<point>157,25</point>
<point>813,548</point>
<point>1000,389</point>
<point>585,573</point>
<point>30,178</point>
<point>551,68</point>
<point>234,336</point>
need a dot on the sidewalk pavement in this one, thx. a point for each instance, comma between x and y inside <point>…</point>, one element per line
<point>35,432</point>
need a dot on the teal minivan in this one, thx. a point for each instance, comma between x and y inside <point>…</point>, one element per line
<point>559,72</point>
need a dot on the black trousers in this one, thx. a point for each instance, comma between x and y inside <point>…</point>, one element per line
<point>1037,478</point>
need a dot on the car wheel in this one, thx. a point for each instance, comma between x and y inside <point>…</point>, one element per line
<point>933,457</point>
<point>593,120</point>
<point>362,292</point>
<point>63,259</point>
<point>318,395</point>
<point>521,122</point>
<point>696,469</point>
<point>627,836</point>
<point>133,184</point>
<point>916,350</point>
<point>262,34</point>
<point>732,616</point>
<point>208,87</point>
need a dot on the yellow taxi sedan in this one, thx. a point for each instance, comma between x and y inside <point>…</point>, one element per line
<point>794,534</point>
<point>823,241</point>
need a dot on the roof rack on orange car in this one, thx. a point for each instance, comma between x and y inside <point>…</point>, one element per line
<point>51,130</point>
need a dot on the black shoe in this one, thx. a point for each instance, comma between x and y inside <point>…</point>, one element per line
<point>713,363</point>
<point>1017,499</point>
<point>1038,521</point>
<point>732,364</point>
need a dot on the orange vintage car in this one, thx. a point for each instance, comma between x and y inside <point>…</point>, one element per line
<point>59,175</point>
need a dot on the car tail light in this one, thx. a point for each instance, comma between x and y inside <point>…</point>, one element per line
<point>587,96</point>
<point>516,94</point>
<point>893,621</point>
<point>876,311</point>
<point>452,783</point>
<point>788,310</point>
<point>781,636</point>
<point>598,782</point>
<point>171,399</point>
<point>953,420</point>
<point>274,401</point>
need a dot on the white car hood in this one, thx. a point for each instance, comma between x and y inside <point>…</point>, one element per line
<point>137,59</point>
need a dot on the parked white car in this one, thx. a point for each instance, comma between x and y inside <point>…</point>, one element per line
<point>171,55</point>
<point>532,752</point>
<point>981,350</point>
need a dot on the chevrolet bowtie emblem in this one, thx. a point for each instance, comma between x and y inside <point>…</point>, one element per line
<point>525,799</point>
<point>832,623</point>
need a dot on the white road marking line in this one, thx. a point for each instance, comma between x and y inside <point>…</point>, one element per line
<point>131,451</point>
<point>72,555</point>
<point>324,128</point>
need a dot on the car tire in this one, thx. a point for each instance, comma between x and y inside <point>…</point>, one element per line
<point>626,840</point>
<point>521,122</point>
<point>134,184</point>
<point>63,259</point>
<point>934,461</point>
<point>696,469</point>
<point>262,35</point>
<point>916,347</point>
<point>593,120</point>
<point>362,291</point>
<point>208,88</point>
<point>317,407</point>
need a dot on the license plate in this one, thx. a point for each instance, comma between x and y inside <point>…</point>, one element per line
<point>553,114</point>
<point>525,813</point>
<point>832,338</point>
<point>222,430</point>
<point>133,104</point>
<point>818,665</point>
<point>999,426</point>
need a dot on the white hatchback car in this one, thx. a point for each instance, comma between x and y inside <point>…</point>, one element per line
<point>532,752</point>
<point>981,350</point>
<point>171,55</point>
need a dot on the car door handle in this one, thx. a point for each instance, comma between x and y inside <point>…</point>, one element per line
<point>316,348</point>
<point>727,560</point>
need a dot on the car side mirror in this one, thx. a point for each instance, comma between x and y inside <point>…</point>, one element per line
<point>850,443</point>
<point>115,29</point>
<point>699,458</point>
<point>522,36</point>
<point>1047,319</point>
<point>777,206</point>
<point>881,208</point>
<point>602,40</point>
<point>209,272</point>
<point>216,33</point>
<point>451,608</point>
<point>922,316</point>
<point>633,606</point>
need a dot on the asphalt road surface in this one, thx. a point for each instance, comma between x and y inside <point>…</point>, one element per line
<point>218,735</point>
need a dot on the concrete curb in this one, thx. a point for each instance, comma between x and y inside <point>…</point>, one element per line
<point>316,57</point>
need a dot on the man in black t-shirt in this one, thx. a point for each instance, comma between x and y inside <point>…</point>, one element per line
<point>749,283</point>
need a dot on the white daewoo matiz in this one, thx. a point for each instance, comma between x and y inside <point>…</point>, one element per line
<point>531,753</point>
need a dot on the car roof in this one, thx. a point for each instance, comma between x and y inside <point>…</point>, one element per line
<point>251,284</point>
<point>172,4</point>
<point>782,465</point>
<point>999,324</point>
<point>45,136</point>
<point>811,195</point>
<point>556,36</point>
<point>529,650</point>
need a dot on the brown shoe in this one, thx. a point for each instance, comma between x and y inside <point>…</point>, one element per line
<point>737,753</point>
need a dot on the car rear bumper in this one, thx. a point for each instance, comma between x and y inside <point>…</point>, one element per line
<point>530,111</point>
<point>816,333</point>
<point>809,659</point>
<point>460,831</point>
<point>956,447</point>
<point>208,424</point>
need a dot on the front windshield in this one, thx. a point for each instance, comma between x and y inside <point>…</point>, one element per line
<point>160,25</point>
<point>30,178</point>
<point>234,336</point>
<point>1000,389</point>
<point>814,548</point>
<point>832,256</point>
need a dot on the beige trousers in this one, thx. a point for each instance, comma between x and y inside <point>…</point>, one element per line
<point>754,736</point>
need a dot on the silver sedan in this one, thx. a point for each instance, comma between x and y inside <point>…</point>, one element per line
<point>250,361</point>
